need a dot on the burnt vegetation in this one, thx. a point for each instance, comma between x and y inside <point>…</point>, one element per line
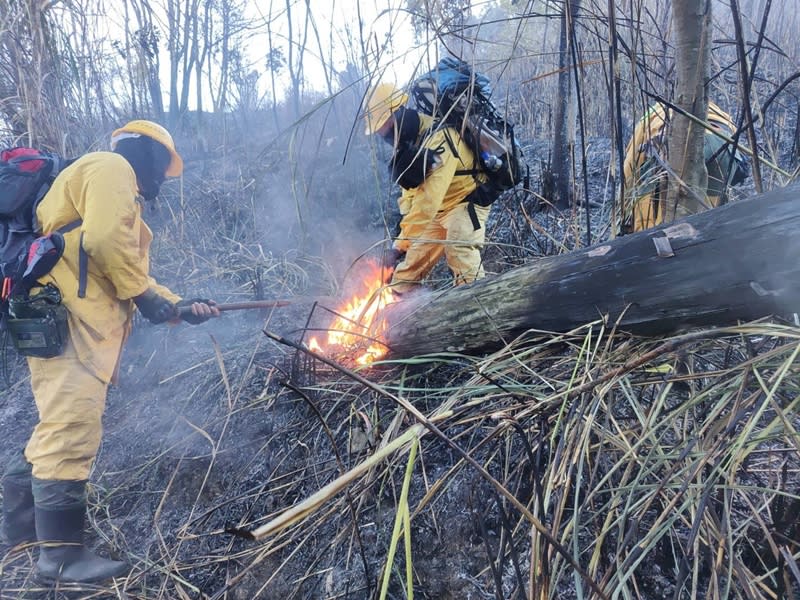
<point>585,464</point>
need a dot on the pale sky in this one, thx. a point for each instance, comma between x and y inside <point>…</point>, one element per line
<point>383,26</point>
<point>337,22</point>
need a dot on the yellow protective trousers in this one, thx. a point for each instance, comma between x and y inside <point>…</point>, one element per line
<point>70,400</point>
<point>452,234</point>
<point>651,210</point>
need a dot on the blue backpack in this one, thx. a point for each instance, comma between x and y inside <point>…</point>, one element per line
<point>457,96</point>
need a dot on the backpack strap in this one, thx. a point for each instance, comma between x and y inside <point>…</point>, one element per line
<point>474,171</point>
<point>83,258</point>
<point>473,216</point>
<point>475,168</point>
<point>70,226</point>
<point>449,140</point>
<point>83,269</point>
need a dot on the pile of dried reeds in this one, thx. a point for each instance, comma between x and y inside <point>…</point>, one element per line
<point>609,467</point>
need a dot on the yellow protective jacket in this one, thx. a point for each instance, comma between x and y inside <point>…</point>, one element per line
<point>100,189</point>
<point>645,179</point>
<point>443,189</point>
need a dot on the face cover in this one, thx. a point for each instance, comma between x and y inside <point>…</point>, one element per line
<point>410,164</point>
<point>149,160</point>
<point>405,127</point>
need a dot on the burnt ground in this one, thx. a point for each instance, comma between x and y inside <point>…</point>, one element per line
<point>216,426</point>
<point>176,438</point>
<point>199,429</point>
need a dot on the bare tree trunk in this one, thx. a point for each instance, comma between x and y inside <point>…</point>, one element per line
<point>221,97</point>
<point>191,51</point>
<point>688,177</point>
<point>273,85</point>
<point>294,75</point>
<point>796,140</point>
<point>200,40</point>
<point>147,53</point>
<point>175,53</point>
<point>129,52</point>
<point>746,76</point>
<point>182,41</point>
<point>154,83</point>
<point>564,135</point>
<point>615,108</point>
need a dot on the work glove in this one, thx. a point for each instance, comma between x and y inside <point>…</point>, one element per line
<point>196,315</point>
<point>391,258</point>
<point>155,308</point>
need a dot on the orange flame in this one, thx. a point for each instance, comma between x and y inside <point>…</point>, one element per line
<point>355,331</point>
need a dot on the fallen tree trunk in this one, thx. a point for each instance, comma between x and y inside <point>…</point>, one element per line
<point>733,263</point>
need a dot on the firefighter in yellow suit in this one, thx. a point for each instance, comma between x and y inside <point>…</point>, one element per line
<point>646,179</point>
<point>436,221</point>
<point>103,276</point>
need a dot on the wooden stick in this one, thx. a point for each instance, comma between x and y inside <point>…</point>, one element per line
<point>255,304</point>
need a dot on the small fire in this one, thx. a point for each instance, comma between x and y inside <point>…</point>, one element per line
<point>354,331</point>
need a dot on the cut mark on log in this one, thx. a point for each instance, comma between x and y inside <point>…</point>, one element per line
<point>762,291</point>
<point>680,230</point>
<point>599,251</point>
<point>663,247</point>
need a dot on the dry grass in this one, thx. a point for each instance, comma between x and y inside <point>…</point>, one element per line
<point>658,469</point>
<point>632,478</point>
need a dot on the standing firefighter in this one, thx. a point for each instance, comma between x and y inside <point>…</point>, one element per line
<point>434,167</point>
<point>645,202</point>
<point>102,275</point>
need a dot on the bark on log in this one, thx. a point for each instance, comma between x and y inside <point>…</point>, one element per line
<point>737,262</point>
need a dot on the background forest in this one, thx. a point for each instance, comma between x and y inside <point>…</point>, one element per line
<point>648,468</point>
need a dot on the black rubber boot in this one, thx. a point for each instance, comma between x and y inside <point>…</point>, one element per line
<point>63,557</point>
<point>18,520</point>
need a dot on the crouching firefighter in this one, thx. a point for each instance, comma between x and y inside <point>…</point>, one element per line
<point>646,179</point>
<point>434,167</point>
<point>102,277</point>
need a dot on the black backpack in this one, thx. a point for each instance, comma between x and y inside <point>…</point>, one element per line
<point>457,96</point>
<point>37,325</point>
<point>25,177</point>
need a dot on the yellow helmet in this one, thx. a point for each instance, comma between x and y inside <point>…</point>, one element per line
<point>155,132</point>
<point>382,101</point>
